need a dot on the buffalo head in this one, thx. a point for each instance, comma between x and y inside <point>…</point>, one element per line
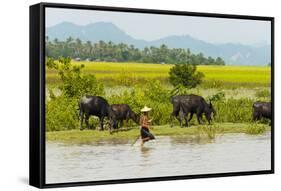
<point>209,110</point>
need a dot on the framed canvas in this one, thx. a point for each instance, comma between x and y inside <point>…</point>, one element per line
<point>121,95</point>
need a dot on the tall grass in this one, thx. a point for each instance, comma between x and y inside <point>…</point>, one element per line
<point>263,94</point>
<point>211,131</point>
<point>234,110</point>
<point>255,128</point>
<point>153,95</point>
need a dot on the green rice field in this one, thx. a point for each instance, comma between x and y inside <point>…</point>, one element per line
<point>112,73</point>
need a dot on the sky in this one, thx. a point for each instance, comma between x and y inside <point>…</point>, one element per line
<point>153,26</point>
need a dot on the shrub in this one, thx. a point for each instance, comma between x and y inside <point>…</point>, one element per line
<point>186,75</point>
<point>155,91</point>
<point>62,114</point>
<point>74,83</point>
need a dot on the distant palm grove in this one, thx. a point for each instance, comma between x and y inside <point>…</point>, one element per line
<point>111,52</point>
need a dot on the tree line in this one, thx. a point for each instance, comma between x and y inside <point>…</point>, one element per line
<point>112,52</point>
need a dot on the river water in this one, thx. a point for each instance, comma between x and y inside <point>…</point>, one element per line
<point>167,156</point>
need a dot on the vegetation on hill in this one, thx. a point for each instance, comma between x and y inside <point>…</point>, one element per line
<point>111,52</point>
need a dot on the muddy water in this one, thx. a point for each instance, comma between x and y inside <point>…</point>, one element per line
<point>167,156</point>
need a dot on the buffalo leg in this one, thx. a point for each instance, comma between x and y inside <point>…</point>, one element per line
<point>208,119</point>
<point>81,121</point>
<point>179,118</point>
<point>186,120</point>
<point>256,116</point>
<point>190,117</point>
<point>182,116</point>
<point>201,118</point>
<point>111,124</point>
<point>171,119</point>
<point>116,125</point>
<point>101,123</point>
<point>198,118</point>
<point>87,120</point>
<point>121,123</point>
<point>127,120</point>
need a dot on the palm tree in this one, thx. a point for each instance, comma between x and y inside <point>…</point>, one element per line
<point>88,48</point>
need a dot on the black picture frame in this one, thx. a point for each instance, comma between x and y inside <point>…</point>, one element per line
<point>37,94</point>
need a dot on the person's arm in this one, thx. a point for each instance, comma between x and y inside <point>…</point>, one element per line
<point>149,122</point>
<point>145,125</point>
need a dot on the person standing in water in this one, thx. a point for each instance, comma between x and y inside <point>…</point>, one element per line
<point>145,123</point>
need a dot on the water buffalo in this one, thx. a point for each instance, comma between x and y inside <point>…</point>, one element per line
<point>261,109</point>
<point>122,112</point>
<point>93,105</point>
<point>185,104</point>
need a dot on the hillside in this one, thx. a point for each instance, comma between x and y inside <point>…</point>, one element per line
<point>233,54</point>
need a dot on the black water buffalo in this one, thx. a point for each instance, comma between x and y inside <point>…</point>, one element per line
<point>261,109</point>
<point>185,104</point>
<point>122,112</point>
<point>93,105</point>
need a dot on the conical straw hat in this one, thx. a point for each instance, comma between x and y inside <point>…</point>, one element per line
<point>145,109</point>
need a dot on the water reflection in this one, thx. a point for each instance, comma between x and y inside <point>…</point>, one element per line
<point>145,151</point>
<point>191,140</point>
<point>166,156</point>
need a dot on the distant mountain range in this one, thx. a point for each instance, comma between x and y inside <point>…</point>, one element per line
<point>233,54</point>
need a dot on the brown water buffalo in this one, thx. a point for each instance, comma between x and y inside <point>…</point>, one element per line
<point>261,110</point>
<point>185,104</point>
<point>122,112</point>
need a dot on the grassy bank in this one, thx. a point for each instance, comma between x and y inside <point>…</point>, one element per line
<point>89,136</point>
